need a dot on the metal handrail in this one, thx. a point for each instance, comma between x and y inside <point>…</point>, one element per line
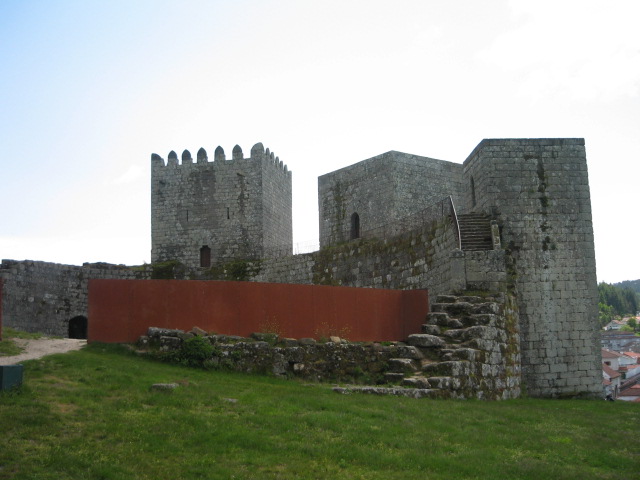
<point>454,221</point>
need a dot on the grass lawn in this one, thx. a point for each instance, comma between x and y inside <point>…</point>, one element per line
<point>8,346</point>
<point>91,415</point>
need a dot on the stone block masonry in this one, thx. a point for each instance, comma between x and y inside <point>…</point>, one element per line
<point>380,190</point>
<point>538,189</point>
<point>207,212</point>
<point>48,297</point>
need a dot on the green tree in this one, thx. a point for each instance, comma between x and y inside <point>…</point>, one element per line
<point>624,301</point>
<point>605,313</point>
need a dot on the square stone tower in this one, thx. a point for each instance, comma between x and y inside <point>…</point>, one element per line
<point>381,190</point>
<point>538,190</point>
<point>204,213</point>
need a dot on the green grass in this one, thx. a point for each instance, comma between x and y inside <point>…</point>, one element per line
<point>8,346</point>
<point>90,415</point>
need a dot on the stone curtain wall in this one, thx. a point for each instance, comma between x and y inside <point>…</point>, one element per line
<point>420,259</point>
<point>42,297</point>
<point>539,191</point>
<point>381,190</point>
<point>234,207</point>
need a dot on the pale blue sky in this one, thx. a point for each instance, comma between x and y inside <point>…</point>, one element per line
<point>89,89</point>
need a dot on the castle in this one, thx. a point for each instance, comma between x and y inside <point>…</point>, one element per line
<point>514,217</point>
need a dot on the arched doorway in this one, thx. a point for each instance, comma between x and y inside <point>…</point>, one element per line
<point>78,327</point>
<point>205,256</point>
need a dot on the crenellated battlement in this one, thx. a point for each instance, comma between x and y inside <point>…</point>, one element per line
<point>257,153</point>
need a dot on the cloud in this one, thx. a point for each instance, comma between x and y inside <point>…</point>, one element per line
<point>133,173</point>
<point>582,50</point>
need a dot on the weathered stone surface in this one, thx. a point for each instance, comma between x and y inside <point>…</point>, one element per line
<point>425,340</point>
<point>402,392</point>
<point>406,351</point>
<point>265,337</point>
<point>401,365</point>
<point>431,329</point>
<point>289,342</point>
<point>199,332</point>
<point>416,382</point>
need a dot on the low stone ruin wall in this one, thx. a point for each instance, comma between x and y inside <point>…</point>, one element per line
<point>332,360</point>
<point>467,349</point>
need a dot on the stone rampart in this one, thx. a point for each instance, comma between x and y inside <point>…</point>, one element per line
<point>44,297</point>
<point>538,190</point>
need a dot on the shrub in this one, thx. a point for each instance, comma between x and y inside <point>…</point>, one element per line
<point>194,351</point>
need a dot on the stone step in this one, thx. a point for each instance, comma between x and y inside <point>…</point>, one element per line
<point>416,381</point>
<point>425,340</point>
<point>408,351</point>
<point>393,377</point>
<point>442,319</point>
<point>475,232</point>
<point>453,368</point>
<point>444,382</point>
<point>431,329</point>
<point>462,309</point>
<point>402,365</point>
<point>397,391</point>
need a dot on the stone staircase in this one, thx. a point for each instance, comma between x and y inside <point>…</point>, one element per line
<point>467,349</point>
<point>475,231</point>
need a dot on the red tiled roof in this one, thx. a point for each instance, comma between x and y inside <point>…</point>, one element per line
<point>633,355</point>
<point>610,354</point>
<point>610,371</point>
<point>633,391</point>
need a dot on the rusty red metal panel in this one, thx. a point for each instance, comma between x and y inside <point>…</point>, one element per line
<point>122,310</point>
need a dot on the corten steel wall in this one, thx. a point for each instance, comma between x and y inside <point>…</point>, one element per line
<point>123,310</point>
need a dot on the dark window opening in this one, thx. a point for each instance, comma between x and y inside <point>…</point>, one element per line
<point>78,327</point>
<point>473,193</point>
<point>355,226</point>
<point>228,213</point>
<point>205,256</point>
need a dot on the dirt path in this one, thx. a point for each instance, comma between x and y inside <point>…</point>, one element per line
<point>41,347</point>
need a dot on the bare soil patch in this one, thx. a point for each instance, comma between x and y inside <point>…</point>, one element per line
<point>37,348</point>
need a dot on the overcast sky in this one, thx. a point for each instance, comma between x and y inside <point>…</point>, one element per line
<point>89,89</point>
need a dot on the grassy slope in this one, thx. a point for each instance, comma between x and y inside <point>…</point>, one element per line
<point>8,346</point>
<point>90,414</point>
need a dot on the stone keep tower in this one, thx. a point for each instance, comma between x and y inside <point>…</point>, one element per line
<point>380,190</point>
<point>204,213</point>
<point>538,190</point>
